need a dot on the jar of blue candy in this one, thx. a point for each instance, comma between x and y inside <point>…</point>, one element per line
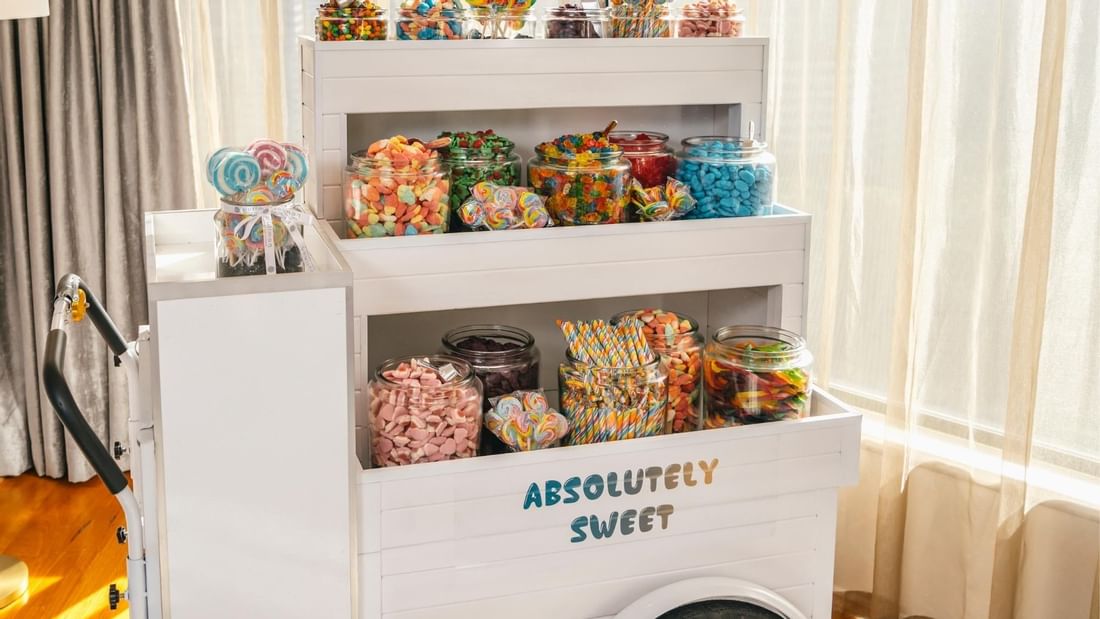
<point>727,176</point>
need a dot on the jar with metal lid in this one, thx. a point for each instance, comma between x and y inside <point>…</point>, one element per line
<point>504,358</point>
<point>651,160</point>
<point>589,188</point>
<point>676,338</point>
<point>710,18</point>
<point>424,409</point>
<point>475,157</point>
<point>381,200</point>
<point>755,374</point>
<point>727,176</point>
<point>574,21</point>
<point>490,22</point>
<point>613,403</point>
<point>635,20</point>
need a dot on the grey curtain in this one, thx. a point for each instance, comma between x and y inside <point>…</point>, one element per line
<point>94,132</point>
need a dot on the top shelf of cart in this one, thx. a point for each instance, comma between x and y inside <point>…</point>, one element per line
<point>424,76</point>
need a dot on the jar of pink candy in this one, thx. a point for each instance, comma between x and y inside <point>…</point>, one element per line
<point>424,409</point>
<point>711,18</point>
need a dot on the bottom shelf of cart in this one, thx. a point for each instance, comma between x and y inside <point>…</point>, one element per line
<point>584,531</point>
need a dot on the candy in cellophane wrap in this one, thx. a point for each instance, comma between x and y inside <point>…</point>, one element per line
<point>672,201</point>
<point>495,207</point>
<point>524,421</point>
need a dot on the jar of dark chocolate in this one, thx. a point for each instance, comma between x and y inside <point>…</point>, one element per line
<point>504,358</point>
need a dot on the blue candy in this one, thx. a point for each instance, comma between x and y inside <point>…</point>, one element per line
<point>724,189</point>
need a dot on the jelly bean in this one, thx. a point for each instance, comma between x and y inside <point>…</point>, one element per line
<point>726,179</point>
<point>361,20</point>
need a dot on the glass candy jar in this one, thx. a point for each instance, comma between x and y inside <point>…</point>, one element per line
<point>242,235</point>
<point>361,21</point>
<point>676,338</point>
<point>651,160</point>
<point>474,158</point>
<point>755,374</point>
<point>574,21</point>
<point>488,22</point>
<point>504,358</point>
<point>429,20</point>
<point>590,188</point>
<point>424,409</point>
<point>710,18</point>
<point>380,200</point>
<point>728,176</point>
<point>613,403</point>
<point>632,20</point>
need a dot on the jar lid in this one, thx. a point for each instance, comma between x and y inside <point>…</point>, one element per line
<point>633,141</point>
<point>760,345</point>
<point>483,144</point>
<point>576,11</point>
<point>488,343</point>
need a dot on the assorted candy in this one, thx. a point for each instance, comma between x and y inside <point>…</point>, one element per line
<point>613,387</point>
<point>636,19</point>
<point>583,178</point>
<point>710,18</point>
<point>493,22</point>
<point>358,20</point>
<point>676,339</point>
<point>756,374</point>
<point>673,201</point>
<point>573,21</point>
<point>524,421</point>
<point>397,187</point>
<point>492,207</point>
<point>428,20</point>
<point>424,410</point>
<point>728,177</point>
<point>476,157</point>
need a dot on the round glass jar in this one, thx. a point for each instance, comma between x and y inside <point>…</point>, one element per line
<point>493,23</point>
<point>504,358</point>
<point>756,374</point>
<point>710,18</point>
<point>727,176</point>
<point>431,20</point>
<point>240,242</point>
<point>423,409</point>
<point>573,21</point>
<point>380,200</point>
<point>362,21</point>
<point>470,166</point>
<point>676,338</point>
<point>589,189</point>
<point>639,21</point>
<point>651,160</point>
<point>613,403</point>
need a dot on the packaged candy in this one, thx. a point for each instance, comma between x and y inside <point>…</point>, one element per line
<point>583,178</point>
<point>676,338</point>
<point>524,421</point>
<point>756,374</point>
<point>424,409</point>
<point>612,386</point>
<point>673,201</point>
<point>492,207</point>
<point>397,187</point>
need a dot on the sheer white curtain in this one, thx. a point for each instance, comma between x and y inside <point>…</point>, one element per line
<point>949,152</point>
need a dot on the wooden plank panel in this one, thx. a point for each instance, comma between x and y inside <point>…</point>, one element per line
<point>579,566</point>
<point>332,197</point>
<point>308,90</point>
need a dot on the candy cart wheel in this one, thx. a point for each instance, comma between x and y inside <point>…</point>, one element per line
<point>721,609</point>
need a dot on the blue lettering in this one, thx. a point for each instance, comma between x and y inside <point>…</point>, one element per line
<point>599,530</point>
<point>593,487</point>
<point>534,497</point>
<point>578,528</point>
<point>553,488</point>
<point>571,485</point>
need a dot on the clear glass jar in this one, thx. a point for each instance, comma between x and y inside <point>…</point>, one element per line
<point>470,166</point>
<point>728,176</point>
<point>417,414</point>
<point>241,238</point>
<point>610,404</point>
<point>756,374</point>
<point>676,338</point>
<point>380,200</point>
<point>573,21</point>
<point>651,160</point>
<point>364,21</point>
<point>631,21</point>
<point>710,18</point>
<point>591,189</point>
<point>494,23</point>
<point>430,20</point>
<point>504,358</point>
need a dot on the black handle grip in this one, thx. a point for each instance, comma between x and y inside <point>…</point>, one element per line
<point>57,389</point>
<point>67,287</point>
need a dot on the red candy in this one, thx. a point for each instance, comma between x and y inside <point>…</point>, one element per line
<point>651,161</point>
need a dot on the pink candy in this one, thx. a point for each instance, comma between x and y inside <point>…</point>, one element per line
<point>415,416</point>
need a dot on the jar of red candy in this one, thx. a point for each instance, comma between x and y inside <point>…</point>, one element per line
<point>651,160</point>
<point>361,20</point>
<point>676,338</point>
<point>424,409</point>
<point>756,374</point>
<point>711,18</point>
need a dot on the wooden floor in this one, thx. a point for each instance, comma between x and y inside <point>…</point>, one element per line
<point>65,533</point>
